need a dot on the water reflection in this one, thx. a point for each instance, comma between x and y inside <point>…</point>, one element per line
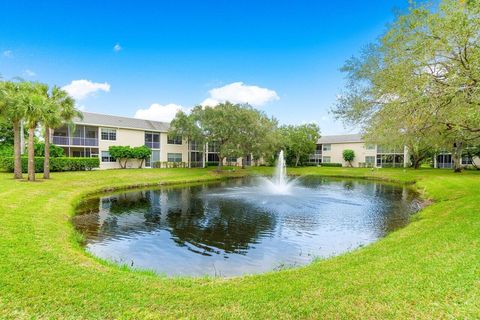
<point>228,229</point>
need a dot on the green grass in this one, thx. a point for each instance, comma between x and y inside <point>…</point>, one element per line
<point>429,269</point>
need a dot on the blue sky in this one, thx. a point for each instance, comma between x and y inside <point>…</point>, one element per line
<point>283,55</point>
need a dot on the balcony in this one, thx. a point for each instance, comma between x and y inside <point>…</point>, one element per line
<point>75,141</point>
<point>152,145</point>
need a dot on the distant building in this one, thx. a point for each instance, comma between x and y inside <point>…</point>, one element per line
<point>95,133</point>
<point>330,150</point>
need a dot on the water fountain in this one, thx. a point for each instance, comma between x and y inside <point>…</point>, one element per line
<point>279,183</point>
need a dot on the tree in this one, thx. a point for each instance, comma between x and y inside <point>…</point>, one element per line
<point>60,110</point>
<point>348,156</point>
<point>256,134</point>
<point>122,154</point>
<point>141,153</point>
<point>237,130</point>
<point>37,104</point>
<point>13,100</point>
<point>300,140</point>
<point>423,73</point>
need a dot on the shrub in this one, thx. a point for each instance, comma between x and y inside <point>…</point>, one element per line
<point>331,165</point>
<point>348,156</point>
<point>56,164</point>
<point>55,152</point>
<point>6,151</point>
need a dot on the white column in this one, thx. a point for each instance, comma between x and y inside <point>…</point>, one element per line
<point>405,156</point>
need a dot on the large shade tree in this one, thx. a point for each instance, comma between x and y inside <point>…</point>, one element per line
<point>424,72</point>
<point>236,130</point>
<point>299,141</point>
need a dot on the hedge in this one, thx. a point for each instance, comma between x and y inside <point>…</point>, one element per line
<point>327,164</point>
<point>56,164</point>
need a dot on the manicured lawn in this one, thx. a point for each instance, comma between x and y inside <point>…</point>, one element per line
<point>429,270</point>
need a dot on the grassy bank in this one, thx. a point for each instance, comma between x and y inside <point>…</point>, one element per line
<point>430,269</point>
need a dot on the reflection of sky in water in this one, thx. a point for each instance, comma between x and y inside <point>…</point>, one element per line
<point>233,227</point>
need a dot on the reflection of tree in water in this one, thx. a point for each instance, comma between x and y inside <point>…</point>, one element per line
<point>203,226</point>
<point>226,225</point>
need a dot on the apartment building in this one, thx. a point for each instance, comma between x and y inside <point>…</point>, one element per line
<point>95,133</point>
<point>330,150</point>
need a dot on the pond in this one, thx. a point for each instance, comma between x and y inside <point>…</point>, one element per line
<point>234,227</point>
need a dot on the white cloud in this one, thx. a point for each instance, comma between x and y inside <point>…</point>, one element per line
<point>8,53</point>
<point>117,47</point>
<point>29,73</point>
<point>80,89</point>
<point>238,92</point>
<point>159,112</point>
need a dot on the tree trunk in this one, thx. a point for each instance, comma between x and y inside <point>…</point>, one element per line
<point>17,171</point>
<point>141,163</point>
<point>31,154</point>
<point>46,162</point>
<point>244,161</point>
<point>220,163</point>
<point>297,160</point>
<point>457,156</point>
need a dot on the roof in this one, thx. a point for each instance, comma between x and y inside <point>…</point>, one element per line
<point>98,119</point>
<point>344,138</point>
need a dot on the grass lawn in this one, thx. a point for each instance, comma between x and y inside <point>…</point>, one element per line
<point>429,270</point>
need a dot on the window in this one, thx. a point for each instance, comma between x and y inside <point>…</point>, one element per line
<point>232,159</point>
<point>174,139</point>
<point>109,134</point>
<point>466,160</point>
<point>213,147</point>
<point>326,160</point>
<point>174,157</point>
<point>370,160</point>
<point>327,147</point>
<point>106,157</point>
<point>370,146</point>
<point>152,140</point>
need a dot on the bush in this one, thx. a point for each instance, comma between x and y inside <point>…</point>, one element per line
<point>331,165</point>
<point>212,163</point>
<point>56,164</point>
<point>55,152</point>
<point>348,156</point>
<point>6,151</point>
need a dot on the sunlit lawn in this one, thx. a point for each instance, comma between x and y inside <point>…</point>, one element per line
<point>429,270</point>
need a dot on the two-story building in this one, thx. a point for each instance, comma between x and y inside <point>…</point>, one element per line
<point>92,136</point>
<point>330,150</point>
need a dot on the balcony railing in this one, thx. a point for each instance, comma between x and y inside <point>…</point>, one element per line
<point>152,145</point>
<point>75,141</point>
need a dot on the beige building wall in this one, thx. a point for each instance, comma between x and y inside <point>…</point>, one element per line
<point>136,138</point>
<point>336,152</point>
<point>125,137</point>
<point>166,148</point>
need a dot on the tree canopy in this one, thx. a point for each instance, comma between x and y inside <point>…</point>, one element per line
<point>419,84</point>
<point>236,130</point>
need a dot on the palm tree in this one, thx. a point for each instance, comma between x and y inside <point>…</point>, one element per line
<point>14,100</point>
<point>36,106</point>
<point>60,110</point>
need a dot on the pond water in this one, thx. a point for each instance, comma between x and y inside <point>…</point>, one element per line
<point>233,227</point>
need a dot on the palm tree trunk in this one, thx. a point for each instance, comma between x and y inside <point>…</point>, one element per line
<point>46,163</point>
<point>31,154</point>
<point>17,171</point>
